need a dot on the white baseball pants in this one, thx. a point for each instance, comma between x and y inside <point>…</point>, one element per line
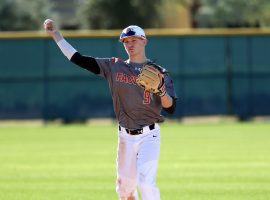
<point>137,164</point>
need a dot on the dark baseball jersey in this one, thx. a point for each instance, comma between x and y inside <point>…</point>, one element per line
<point>134,108</point>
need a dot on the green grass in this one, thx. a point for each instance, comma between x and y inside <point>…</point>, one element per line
<point>198,162</point>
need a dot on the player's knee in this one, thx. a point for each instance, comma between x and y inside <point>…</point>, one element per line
<point>125,188</point>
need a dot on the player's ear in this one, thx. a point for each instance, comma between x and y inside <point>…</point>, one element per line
<point>145,41</point>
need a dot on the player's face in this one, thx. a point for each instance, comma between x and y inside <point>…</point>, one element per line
<point>134,46</point>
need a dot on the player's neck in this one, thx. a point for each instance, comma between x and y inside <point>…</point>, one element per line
<point>137,59</point>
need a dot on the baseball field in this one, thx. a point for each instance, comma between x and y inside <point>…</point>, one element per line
<point>224,161</point>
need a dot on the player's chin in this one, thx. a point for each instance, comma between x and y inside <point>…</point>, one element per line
<point>131,52</point>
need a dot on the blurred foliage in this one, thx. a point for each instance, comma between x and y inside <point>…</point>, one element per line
<point>115,14</point>
<point>23,14</point>
<point>232,13</point>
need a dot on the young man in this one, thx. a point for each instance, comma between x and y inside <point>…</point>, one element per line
<point>137,111</point>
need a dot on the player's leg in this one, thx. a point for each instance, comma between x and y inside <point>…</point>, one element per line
<point>132,197</point>
<point>147,165</point>
<point>126,168</point>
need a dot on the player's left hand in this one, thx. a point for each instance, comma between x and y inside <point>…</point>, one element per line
<point>162,87</point>
<point>151,79</point>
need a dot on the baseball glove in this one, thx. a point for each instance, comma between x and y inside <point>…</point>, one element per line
<point>151,79</point>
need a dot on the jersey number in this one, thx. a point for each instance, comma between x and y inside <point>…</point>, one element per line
<point>146,97</point>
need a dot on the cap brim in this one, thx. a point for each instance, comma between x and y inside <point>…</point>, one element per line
<point>123,38</point>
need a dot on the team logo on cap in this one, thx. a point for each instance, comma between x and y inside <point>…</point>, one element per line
<point>130,31</point>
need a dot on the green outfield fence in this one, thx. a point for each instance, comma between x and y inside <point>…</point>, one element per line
<point>215,72</point>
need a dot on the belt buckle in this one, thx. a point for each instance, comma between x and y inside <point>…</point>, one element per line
<point>134,132</point>
<point>138,132</point>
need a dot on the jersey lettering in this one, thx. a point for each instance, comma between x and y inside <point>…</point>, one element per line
<point>121,77</point>
<point>146,97</point>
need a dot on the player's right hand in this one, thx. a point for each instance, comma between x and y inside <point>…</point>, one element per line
<point>49,26</point>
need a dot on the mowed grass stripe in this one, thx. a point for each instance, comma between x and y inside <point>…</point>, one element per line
<point>225,161</point>
<point>198,162</point>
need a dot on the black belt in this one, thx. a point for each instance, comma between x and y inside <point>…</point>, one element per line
<point>137,131</point>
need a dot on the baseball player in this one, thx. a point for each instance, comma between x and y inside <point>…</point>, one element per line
<point>137,110</point>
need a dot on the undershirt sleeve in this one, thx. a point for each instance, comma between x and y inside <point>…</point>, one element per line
<point>87,62</point>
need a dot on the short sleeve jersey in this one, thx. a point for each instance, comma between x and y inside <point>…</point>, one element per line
<point>134,108</point>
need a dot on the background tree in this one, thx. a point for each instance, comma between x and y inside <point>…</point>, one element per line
<point>115,14</point>
<point>23,14</point>
<point>231,13</point>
